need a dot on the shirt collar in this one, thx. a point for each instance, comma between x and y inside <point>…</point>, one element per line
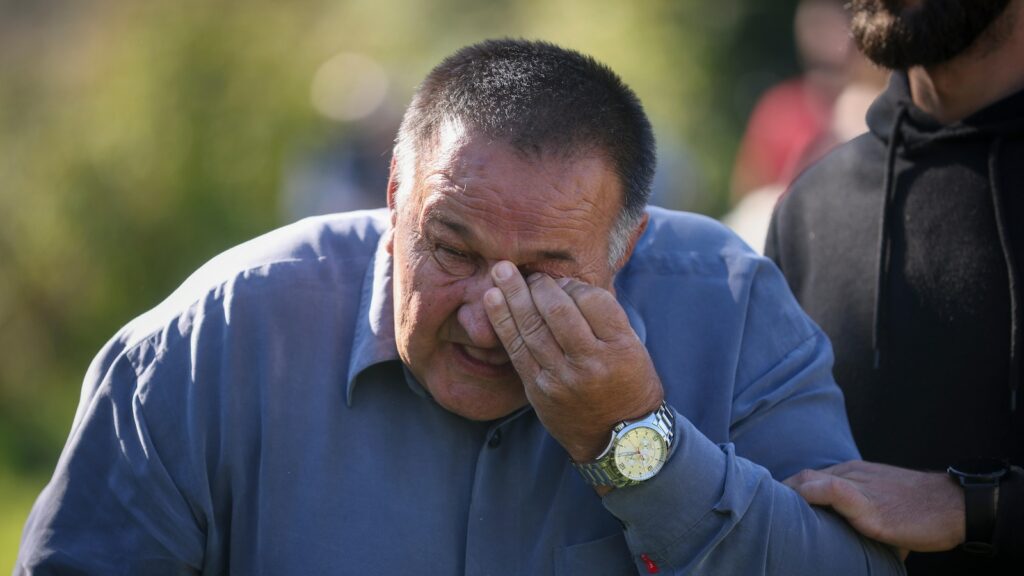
<point>374,340</point>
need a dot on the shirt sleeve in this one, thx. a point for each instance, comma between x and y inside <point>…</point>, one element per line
<point>721,508</point>
<point>118,501</point>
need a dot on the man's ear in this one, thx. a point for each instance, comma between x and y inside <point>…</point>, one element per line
<point>393,187</point>
<point>634,237</point>
<point>389,235</point>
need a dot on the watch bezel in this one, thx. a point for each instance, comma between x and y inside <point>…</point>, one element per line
<point>625,431</point>
<point>979,470</point>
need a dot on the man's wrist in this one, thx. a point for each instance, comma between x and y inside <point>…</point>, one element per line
<point>635,452</point>
<point>979,479</point>
<point>586,446</point>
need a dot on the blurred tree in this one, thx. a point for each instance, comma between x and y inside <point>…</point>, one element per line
<point>145,139</point>
<point>137,139</point>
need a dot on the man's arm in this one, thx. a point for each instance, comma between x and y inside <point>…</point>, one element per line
<point>709,511</point>
<point>114,505</point>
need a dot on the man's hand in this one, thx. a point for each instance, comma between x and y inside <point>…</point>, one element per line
<point>910,510</point>
<point>582,365</point>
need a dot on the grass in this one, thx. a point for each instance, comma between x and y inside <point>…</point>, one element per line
<point>17,493</point>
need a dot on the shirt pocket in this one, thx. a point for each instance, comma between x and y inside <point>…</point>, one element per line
<point>609,556</point>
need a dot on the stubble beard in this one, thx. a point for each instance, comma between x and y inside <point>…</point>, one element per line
<point>927,33</point>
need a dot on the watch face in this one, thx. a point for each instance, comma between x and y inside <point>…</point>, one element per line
<point>979,468</point>
<point>640,453</point>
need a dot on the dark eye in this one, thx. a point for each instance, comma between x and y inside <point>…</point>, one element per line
<point>453,261</point>
<point>448,250</point>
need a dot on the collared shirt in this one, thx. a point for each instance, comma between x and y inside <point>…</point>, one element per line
<point>259,421</point>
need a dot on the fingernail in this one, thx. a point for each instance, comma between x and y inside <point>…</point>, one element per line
<point>563,281</point>
<point>534,277</point>
<point>502,271</point>
<point>492,297</point>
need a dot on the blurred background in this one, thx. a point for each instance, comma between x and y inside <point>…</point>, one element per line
<point>139,139</point>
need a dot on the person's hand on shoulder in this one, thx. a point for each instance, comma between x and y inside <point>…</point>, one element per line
<point>907,509</point>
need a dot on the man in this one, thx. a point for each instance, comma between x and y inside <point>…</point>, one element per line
<point>432,388</point>
<point>791,121</point>
<point>791,116</point>
<point>904,245</point>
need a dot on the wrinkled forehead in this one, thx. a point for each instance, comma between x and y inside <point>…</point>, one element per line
<point>473,168</point>
<point>450,141</point>
<point>480,182</point>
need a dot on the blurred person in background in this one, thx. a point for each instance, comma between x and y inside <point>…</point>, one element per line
<point>513,369</point>
<point>905,246</point>
<point>798,121</point>
<point>350,170</point>
<point>347,173</point>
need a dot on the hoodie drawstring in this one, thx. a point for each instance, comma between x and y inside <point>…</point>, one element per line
<point>1011,269</point>
<point>884,247</point>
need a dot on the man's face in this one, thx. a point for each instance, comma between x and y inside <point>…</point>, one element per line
<point>475,202</point>
<point>900,34</point>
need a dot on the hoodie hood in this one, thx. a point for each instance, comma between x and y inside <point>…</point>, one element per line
<point>918,128</point>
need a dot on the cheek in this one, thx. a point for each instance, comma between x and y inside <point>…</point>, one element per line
<point>425,301</point>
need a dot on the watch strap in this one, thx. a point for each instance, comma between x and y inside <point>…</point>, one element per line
<point>602,472</point>
<point>980,502</point>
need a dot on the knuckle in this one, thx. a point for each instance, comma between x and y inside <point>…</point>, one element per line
<point>804,476</point>
<point>599,370</point>
<point>516,346</point>
<point>623,344</point>
<point>504,323</point>
<point>593,367</point>
<point>533,325</point>
<point>841,491</point>
<point>557,309</point>
<point>849,466</point>
<point>577,290</point>
<point>548,382</point>
<point>517,292</point>
<point>834,486</point>
<point>591,296</point>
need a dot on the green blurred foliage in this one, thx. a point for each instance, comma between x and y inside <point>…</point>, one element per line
<point>138,139</point>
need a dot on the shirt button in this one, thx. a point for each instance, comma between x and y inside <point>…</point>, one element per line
<point>495,440</point>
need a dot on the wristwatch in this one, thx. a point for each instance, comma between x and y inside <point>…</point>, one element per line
<point>636,452</point>
<point>980,478</point>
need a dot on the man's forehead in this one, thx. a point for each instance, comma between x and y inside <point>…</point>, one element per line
<point>458,150</point>
<point>477,168</point>
<point>541,206</point>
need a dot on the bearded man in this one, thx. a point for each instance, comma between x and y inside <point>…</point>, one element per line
<point>904,245</point>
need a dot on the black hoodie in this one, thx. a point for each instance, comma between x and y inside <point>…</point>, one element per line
<point>906,246</point>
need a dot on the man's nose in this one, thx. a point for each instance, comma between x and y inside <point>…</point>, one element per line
<point>473,318</point>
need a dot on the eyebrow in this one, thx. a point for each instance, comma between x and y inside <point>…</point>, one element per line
<point>464,232</point>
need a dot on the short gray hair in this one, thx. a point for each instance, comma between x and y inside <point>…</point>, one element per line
<point>539,98</point>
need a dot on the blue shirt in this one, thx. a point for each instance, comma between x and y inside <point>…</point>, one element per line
<point>259,421</point>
